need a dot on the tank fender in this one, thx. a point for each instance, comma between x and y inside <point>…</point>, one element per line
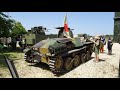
<point>72,51</point>
<point>26,50</point>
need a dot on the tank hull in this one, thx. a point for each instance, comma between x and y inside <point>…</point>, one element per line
<point>61,54</point>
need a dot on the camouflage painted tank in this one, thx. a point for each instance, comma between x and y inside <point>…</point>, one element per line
<point>35,35</point>
<point>61,54</point>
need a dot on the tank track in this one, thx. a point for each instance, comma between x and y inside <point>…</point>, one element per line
<point>52,65</point>
<point>25,58</point>
<point>53,69</point>
<point>53,60</point>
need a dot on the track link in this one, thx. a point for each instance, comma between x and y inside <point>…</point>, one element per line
<point>52,65</point>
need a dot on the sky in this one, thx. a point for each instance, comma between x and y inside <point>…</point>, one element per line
<point>92,23</point>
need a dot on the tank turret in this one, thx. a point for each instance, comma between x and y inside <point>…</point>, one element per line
<point>35,35</point>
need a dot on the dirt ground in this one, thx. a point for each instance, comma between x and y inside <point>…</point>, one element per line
<point>108,67</point>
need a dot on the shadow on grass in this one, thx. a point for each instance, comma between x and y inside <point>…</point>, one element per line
<point>9,54</point>
<point>9,49</point>
<point>41,65</point>
<point>46,67</point>
<point>2,61</point>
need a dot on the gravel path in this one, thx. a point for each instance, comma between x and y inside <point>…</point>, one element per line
<point>108,67</point>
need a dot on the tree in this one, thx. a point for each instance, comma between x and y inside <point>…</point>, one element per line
<point>6,25</point>
<point>17,29</point>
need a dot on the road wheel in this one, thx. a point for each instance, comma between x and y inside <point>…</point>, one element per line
<point>68,63</point>
<point>83,57</point>
<point>77,60</point>
<point>88,56</point>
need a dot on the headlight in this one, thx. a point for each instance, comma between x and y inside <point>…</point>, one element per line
<point>51,49</point>
<point>36,49</point>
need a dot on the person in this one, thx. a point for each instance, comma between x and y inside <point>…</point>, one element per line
<point>8,41</point>
<point>20,41</point>
<point>102,44</point>
<point>14,41</point>
<point>23,42</point>
<point>109,46</point>
<point>96,48</point>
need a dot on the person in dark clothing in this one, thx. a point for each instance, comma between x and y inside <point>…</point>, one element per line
<point>109,46</point>
<point>103,42</point>
<point>14,41</point>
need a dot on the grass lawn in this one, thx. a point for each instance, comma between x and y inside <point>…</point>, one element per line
<point>11,55</point>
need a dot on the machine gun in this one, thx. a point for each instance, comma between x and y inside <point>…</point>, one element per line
<point>39,30</point>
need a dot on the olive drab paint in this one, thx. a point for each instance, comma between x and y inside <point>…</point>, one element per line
<point>37,34</point>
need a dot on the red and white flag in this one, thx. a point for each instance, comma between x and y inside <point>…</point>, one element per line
<point>66,32</point>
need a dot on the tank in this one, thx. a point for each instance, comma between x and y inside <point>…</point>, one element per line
<point>61,53</point>
<point>35,35</point>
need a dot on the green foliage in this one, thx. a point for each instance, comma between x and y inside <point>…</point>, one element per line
<point>109,35</point>
<point>10,55</point>
<point>17,29</point>
<point>9,27</point>
<point>117,14</point>
<point>6,25</point>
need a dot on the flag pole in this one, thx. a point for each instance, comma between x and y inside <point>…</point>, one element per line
<point>66,18</point>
